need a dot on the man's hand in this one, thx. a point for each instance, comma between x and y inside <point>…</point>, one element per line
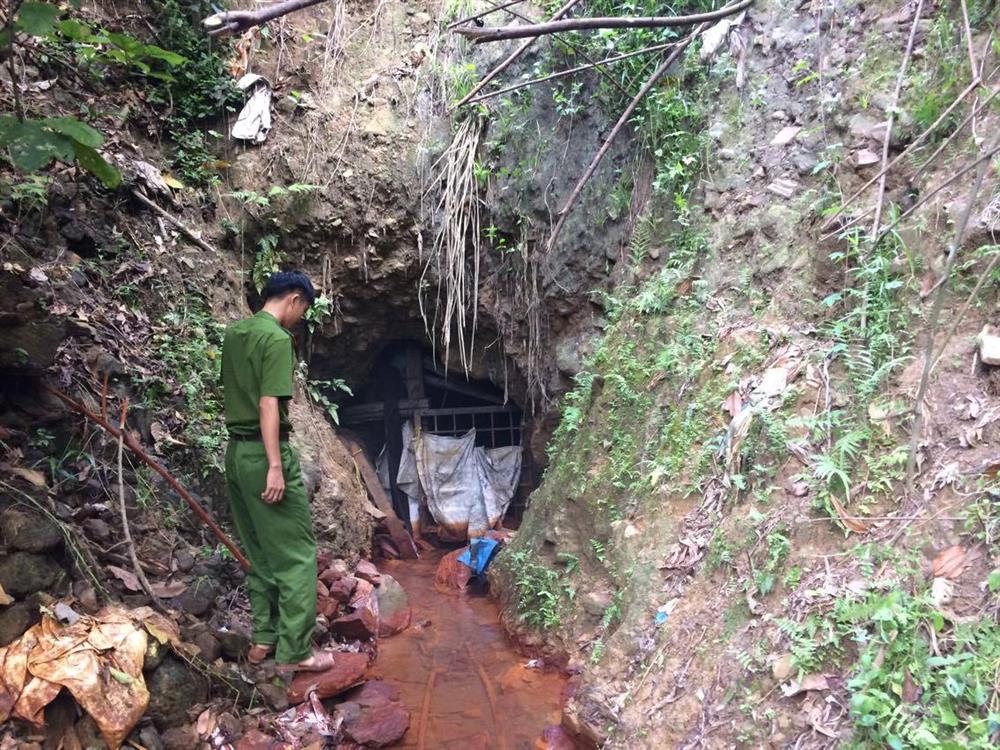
<point>275,488</point>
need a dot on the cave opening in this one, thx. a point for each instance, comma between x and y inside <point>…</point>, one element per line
<point>407,392</point>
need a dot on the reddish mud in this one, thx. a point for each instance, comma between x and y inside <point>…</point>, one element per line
<point>464,683</point>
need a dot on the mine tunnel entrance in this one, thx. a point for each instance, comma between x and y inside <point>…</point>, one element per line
<point>409,394</point>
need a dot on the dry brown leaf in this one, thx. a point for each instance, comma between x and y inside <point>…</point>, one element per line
<point>849,521</point>
<point>50,657</point>
<point>35,477</point>
<point>166,590</point>
<point>733,403</point>
<point>5,598</point>
<point>949,563</point>
<point>127,578</point>
<point>808,682</point>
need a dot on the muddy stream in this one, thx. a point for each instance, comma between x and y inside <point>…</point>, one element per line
<point>465,684</point>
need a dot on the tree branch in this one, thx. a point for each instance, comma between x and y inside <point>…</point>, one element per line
<point>511,58</point>
<point>498,33</point>
<point>571,71</point>
<point>624,118</point>
<point>134,446</point>
<point>238,21</point>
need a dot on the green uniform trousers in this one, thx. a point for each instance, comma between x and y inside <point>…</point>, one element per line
<point>278,541</point>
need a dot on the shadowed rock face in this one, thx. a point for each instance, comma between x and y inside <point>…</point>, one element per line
<point>173,689</point>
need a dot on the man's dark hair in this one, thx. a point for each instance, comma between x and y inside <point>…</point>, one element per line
<point>283,283</point>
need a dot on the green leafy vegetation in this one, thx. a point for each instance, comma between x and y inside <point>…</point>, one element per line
<point>920,680</point>
<point>187,342</point>
<point>199,92</point>
<point>542,592</point>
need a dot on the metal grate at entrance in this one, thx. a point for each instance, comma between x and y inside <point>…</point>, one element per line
<point>495,425</point>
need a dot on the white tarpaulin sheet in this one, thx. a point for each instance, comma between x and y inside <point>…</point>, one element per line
<point>468,488</point>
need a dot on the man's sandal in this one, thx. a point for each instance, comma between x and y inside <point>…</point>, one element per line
<point>259,652</point>
<point>319,661</point>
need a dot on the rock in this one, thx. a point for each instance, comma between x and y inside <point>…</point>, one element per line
<point>381,122</point>
<point>782,667</point>
<point>15,619</point>
<point>374,726</point>
<point>180,738</point>
<point>786,135</point>
<point>393,607</point>
<point>784,187</point>
<point>199,597</point>
<point>208,647</point>
<point>596,603</point>
<point>374,693</point>
<point>366,571</point>
<point>173,689</point>
<point>185,560</point>
<point>334,571</point>
<point>256,740</point>
<point>235,642</point>
<point>804,163</point>
<point>230,725</point>
<point>421,20</point>
<point>275,696</point>
<point>29,532</point>
<point>97,529</point>
<point>865,157</point>
<point>569,358</point>
<point>989,346</point>
<point>861,126</point>
<point>156,652</point>
<point>359,625</point>
<point>24,573</point>
<point>342,589</point>
<point>151,739</point>
<point>347,671</point>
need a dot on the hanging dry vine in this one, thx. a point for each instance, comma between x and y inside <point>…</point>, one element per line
<point>457,233</point>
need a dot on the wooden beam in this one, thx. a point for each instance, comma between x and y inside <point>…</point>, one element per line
<point>453,384</point>
<point>400,536</point>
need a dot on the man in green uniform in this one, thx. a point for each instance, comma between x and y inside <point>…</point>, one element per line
<point>267,498</point>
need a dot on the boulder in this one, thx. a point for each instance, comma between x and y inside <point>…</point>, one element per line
<point>393,607</point>
<point>595,603</point>
<point>235,642</point>
<point>276,697</point>
<point>374,693</point>
<point>173,689</point>
<point>15,619</point>
<point>360,625</point>
<point>199,598</point>
<point>29,532</point>
<point>989,346</point>
<point>24,573</point>
<point>97,529</point>
<point>374,726</point>
<point>327,607</point>
<point>208,647</point>
<point>334,570</point>
<point>367,571</point>
<point>347,671</point>
<point>342,589</point>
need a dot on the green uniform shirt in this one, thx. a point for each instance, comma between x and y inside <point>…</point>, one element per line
<point>257,360</point>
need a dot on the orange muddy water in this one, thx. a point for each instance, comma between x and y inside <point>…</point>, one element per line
<point>465,685</point>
